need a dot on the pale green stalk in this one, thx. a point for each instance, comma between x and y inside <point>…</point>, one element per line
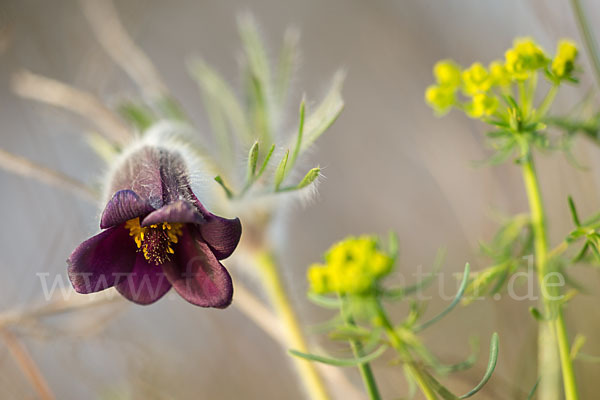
<point>271,279</point>
<point>552,335</point>
<point>398,345</point>
<point>365,368</point>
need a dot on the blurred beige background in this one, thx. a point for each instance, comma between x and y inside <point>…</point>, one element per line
<point>389,164</point>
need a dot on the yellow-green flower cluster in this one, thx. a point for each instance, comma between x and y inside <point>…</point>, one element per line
<point>443,95</point>
<point>351,266</point>
<point>563,64</point>
<point>500,75</point>
<point>481,105</point>
<point>524,58</point>
<point>483,86</point>
<point>477,83</point>
<point>476,79</point>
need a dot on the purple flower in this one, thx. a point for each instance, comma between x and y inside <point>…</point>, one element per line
<point>157,235</point>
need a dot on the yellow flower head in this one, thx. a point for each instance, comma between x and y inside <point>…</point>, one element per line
<point>447,74</point>
<point>476,79</point>
<point>524,58</point>
<point>564,61</point>
<point>351,266</point>
<point>482,105</point>
<point>500,76</point>
<point>440,98</point>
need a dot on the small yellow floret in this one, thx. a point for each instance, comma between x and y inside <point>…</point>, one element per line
<point>482,105</point>
<point>440,98</point>
<point>476,79</point>
<point>499,74</point>
<point>447,74</point>
<point>564,61</point>
<point>524,58</point>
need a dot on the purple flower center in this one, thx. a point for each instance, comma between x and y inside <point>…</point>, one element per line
<point>155,241</point>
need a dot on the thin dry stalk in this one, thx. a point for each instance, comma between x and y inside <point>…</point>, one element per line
<point>28,169</point>
<point>27,365</point>
<point>245,301</point>
<point>114,39</point>
<point>61,304</point>
<point>36,87</point>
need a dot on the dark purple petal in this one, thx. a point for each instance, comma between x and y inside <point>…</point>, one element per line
<point>221,234</point>
<point>98,262</point>
<point>197,275</point>
<point>124,205</point>
<point>180,211</point>
<point>145,284</point>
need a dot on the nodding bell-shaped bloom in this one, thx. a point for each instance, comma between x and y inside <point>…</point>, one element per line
<point>156,235</point>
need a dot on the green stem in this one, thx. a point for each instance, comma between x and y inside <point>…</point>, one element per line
<point>547,102</point>
<point>588,37</point>
<point>271,279</point>
<point>365,368</point>
<point>553,333</point>
<point>398,345</point>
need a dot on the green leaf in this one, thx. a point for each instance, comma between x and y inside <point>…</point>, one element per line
<point>393,246</point>
<point>220,181</point>
<point>340,362</point>
<point>439,388</point>
<point>218,92</point>
<point>351,332</point>
<point>500,155</point>
<point>259,110</point>
<point>298,145</point>
<point>138,115</point>
<point>510,101</point>
<point>533,389</point>
<point>280,171</point>
<point>578,343</point>
<point>582,253</point>
<point>325,301</point>
<point>573,210</point>
<point>266,161</point>
<point>255,50</point>
<point>537,314</point>
<point>459,294</point>
<point>252,161</point>
<point>309,178</point>
<point>288,58</point>
<point>259,73</point>
<point>325,114</point>
<point>490,367</point>
<point>464,365</point>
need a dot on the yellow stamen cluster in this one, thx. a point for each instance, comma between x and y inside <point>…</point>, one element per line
<point>352,266</point>
<point>154,241</point>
